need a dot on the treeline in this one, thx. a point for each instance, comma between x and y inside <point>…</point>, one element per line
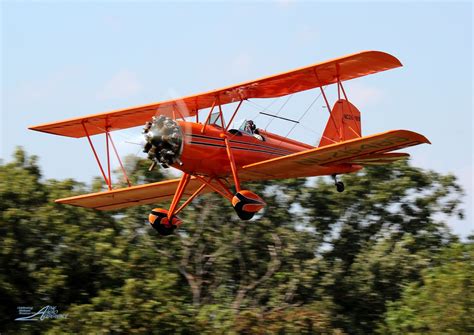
<point>377,258</point>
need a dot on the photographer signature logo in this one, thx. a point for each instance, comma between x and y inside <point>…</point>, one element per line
<point>47,312</point>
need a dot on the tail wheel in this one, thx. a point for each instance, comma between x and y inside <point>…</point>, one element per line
<point>158,219</point>
<point>246,204</point>
<point>339,184</point>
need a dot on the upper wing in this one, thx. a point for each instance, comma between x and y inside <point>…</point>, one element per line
<point>133,196</point>
<point>318,161</point>
<point>316,75</point>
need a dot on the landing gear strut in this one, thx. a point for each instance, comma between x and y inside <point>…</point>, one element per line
<point>245,203</point>
<point>339,184</point>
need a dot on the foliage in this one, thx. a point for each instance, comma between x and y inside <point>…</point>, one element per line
<point>444,300</point>
<point>315,261</point>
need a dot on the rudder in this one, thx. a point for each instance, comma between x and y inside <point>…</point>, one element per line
<point>343,124</point>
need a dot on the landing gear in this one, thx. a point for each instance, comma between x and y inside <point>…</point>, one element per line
<point>246,204</point>
<point>339,184</point>
<point>158,219</point>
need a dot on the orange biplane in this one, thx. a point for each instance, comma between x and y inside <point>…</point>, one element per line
<point>214,158</point>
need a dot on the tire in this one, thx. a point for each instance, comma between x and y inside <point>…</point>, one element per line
<point>156,219</point>
<point>164,230</point>
<point>246,204</point>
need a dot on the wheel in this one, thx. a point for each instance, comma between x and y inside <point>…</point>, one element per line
<point>246,204</point>
<point>158,219</point>
<point>243,215</point>
<point>164,230</point>
<point>340,186</point>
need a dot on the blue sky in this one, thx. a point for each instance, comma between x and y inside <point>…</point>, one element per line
<point>62,60</point>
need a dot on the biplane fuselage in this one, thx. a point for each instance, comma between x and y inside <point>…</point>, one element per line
<point>204,153</point>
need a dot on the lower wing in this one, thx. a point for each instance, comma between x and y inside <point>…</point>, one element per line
<point>368,150</point>
<point>133,196</point>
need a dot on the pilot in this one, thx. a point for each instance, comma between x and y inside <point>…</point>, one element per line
<point>251,128</point>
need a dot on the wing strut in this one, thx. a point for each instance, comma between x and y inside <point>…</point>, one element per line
<point>339,84</point>
<point>107,181</point>
<point>183,182</point>
<point>119,160</point>
<point>203,129</point>
<point>233,115</point>
<point>233,167</point>
<point>330,114</point>
<point>108,139</point>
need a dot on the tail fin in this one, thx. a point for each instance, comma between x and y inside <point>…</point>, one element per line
<point>343,124</point>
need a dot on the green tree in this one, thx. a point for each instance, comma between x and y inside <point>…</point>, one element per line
<point>315,261</point>
<point>443,303</point>
<point>380,234</point>
<point>59,255</point>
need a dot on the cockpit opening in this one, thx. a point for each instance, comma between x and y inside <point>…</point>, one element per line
<point>215,119</point>
<point>250,128</point>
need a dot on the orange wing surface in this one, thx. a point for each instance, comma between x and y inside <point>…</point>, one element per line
<point>322,160</point>
<point>379,159</point>
<point>133,196</point>
<point>305,78</point>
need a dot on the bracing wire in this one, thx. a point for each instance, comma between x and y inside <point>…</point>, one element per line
<point>281,108</point>
<point>259,108</point>
<point>311,130</point>
<point>304,114</point>
<point>265,109</point>
<point>271,104</point>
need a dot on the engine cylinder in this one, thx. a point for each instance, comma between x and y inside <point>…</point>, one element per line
<point>163,140</point>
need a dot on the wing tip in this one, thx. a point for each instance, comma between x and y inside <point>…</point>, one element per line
<point>396,62</point>
<point>35,128</point>
<point>62,201</point>
<point>420,137</point>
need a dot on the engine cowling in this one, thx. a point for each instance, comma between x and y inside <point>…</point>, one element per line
<point>163,140</point>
